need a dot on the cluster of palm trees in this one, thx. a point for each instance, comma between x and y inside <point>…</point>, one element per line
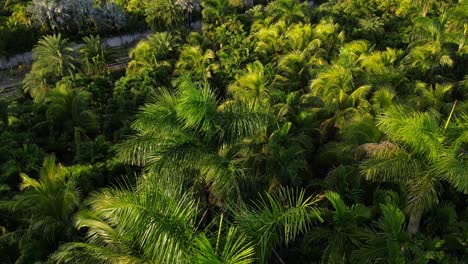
<point>282,134</point>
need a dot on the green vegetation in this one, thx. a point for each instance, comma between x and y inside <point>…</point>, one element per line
<point>279,133</point>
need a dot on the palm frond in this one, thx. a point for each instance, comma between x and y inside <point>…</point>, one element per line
<point>418,131</point>
<point>158,223</point>
<point>422,193</point>
<point>387,162</point>
<point>238,122</point>
<point>278,218</point>
<point>160,115</point>
<point>386,242</point>
<point>236,249</point>
<point>79,252</point>
<point>137,149</point>
<point>197,107</point>
<point>453,168</point>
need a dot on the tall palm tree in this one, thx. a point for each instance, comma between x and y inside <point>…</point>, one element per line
<point>432,96</point>
<point>299,36</point>
<point>381,68</point>
<point>458,15</point>
<point>341,99</point>
<point>157,222</point>
<point>428,60</point>
<point>293,71</point>
<point>152,222</point>
<point>215,11</point>
<point>420,154</point>
<point>330,36</point>
<point>48,204</point>
<point>188,132</point>
<point>437,29</point>
<point>269,38</point>
<point>235,249</point>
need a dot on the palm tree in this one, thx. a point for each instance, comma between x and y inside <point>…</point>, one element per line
<point>290,10</point>
<point>48,204</point>
<point>54,58</point>
<point>94,55</point>
<point>429,59</point>
<point>236,249</point>
<point>341,99</point>
<point>458,15</point>
<point>163,14</point>
<point>154,222</point>
<point>35,84</point>
<point>157,49</point>
<point>372,26</point>
<point>188,132</point>
<point>420,154</point>
<point>200,64</point>
<point>293,71</point>
<point>67,109</point>
<point>269,38</point>
<point>299,36</point>
<point>432,96</point>
<point>215,11</point>
<point>342,233</point>
<point>381,68</point>
<point>387,243</point>
<point>253,86</point>
<point>438,29</point>
<point>330,36</point>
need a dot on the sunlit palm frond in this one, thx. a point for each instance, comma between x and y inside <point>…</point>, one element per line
<point>146,224</point>
<point>238,122</point>
<point>278,217</point>
<point>196,108</point>
<point>387,162</point>
<point>236,249</point>
<point>55,55</point>
<point>418,131</point>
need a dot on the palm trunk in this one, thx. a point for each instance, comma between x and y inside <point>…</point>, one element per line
<point>426,8</point>
<point>413,225</point>
<point>77,138</point>
<point>465,35</point>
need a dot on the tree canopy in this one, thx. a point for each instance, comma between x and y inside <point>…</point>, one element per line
<point>238,132</point>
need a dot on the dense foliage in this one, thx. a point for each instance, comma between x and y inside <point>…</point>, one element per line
<point>285,132</point>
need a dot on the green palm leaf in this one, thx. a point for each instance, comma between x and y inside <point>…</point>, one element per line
<point>278,218</point>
